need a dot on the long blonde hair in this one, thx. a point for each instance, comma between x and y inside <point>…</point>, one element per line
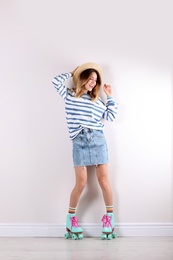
<point>80,85</point>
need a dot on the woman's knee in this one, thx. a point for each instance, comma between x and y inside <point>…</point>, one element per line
<point>102,176</point>
<point>104,183</point>
<point>81,178</point>
<point>81,187</point>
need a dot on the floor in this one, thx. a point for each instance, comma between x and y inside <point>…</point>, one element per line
<point>131,248</point>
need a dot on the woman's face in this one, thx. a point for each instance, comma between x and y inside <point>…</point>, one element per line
<point>91,83</point>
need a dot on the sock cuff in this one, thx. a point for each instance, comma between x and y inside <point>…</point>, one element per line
<point>71,210</point>
<point>109,209</point>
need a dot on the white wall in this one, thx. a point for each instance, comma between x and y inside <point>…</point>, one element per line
<point>131,40</point>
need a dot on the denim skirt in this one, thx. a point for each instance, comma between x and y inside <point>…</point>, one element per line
<point>90,148</point>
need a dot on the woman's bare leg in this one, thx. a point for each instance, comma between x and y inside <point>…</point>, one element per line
<point>103,179</point>
<point>81,179</point>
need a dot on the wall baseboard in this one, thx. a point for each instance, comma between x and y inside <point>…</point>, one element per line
<point>90,230</point>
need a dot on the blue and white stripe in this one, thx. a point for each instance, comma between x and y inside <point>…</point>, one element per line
<point>83,112</point>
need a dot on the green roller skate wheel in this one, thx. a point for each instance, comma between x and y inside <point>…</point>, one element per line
<point>67,235</point>
<point>114,235</point>
<point>109,237</point>
<point>74,237</point>
<point>80,236</point>
<point>103,236</point>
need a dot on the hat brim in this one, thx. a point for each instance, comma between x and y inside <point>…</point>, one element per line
<point>85,66</point>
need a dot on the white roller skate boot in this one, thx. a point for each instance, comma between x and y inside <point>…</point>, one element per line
<point>73,230</point>
<point>108,230</point>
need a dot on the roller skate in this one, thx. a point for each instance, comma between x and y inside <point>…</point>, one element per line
<point>73,230</point>
<point>108,231</point>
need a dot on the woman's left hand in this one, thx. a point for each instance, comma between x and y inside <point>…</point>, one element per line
<point>107,89</point>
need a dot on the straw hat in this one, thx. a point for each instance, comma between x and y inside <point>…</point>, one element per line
<point>85,66</point>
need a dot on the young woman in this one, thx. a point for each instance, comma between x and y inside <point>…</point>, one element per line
<point>85,113</point>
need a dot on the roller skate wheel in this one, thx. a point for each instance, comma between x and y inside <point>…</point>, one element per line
<point>110,237</point>
<point>103,236</point>
<point>74,237</point>
<point>114,235</point>
<point>67,235</point>
<point>80,236</point>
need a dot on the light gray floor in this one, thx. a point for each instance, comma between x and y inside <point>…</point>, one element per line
<point>147,248</point>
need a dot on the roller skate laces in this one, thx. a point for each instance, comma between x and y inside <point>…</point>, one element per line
<point>74,222</point>
<point>108,227</point>
<point>107,221</point>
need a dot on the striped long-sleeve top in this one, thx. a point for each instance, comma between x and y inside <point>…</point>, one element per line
<point>82,112</point>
